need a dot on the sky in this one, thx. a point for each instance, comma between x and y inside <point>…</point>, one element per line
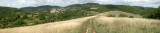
<point>63,3</point>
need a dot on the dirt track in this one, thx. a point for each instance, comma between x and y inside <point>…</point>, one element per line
<point>86,25</point>
<point>93,27</point>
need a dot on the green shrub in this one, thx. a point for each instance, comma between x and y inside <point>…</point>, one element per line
<point>154,14</point>
<point>111,15</point>
<point>19,22</point>
<point>122,15</point>
<point>131,17</point>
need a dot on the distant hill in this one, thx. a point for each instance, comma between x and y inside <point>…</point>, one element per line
<point>39,8</point>
<point>81,5</point>
<point>119,14</point>
<point>14,17</point>
<point>6,11</point>
<point>125,8</point>
<point>101,8</point>
<point>109,7</point>
<point>145,8</point>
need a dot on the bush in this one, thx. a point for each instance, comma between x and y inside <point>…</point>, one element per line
<point>154,14</point>
<point>122,15</point>
<point>19,22</point>
<point>131,17</point>
<point>25,16</point>
<point>41,17</point>
<point>111,15</point>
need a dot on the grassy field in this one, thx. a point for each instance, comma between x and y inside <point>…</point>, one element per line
<point>126,25</point>
<point>69,26</point>
<point>101,23</point>
<point>119,14</point>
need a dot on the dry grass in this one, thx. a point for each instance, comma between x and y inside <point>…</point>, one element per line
<point>117,13</point>
<point>103,24</point>
<point>56,27</point>
<point>127,25</point>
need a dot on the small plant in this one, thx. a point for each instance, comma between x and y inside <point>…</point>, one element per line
<point>111,15</point>
<point>131,17</point>
<point>122,15</point>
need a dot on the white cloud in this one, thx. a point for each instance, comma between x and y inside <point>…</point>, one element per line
<point>26,3</point>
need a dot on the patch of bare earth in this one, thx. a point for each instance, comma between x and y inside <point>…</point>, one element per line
<point>89,27</point>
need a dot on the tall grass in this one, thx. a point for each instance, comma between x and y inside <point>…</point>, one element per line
<point>69,26</point>
<point>127,25</point>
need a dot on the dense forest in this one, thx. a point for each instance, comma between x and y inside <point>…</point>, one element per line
<point>14,17</point>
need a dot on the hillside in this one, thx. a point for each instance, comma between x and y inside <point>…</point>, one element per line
<point>124,8</point>
<point>101,8</point>
<point>69,26</point>
<point>103,19</point>
<point>145,8</point>
<point>100,22</point>
<point>126,25</point>
<point>119,14</point>
<point>39,8</point>
<point>104,8</point>
<point>13,17</point>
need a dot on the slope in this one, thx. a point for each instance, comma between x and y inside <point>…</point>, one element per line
<point>56,27</point>
<point>101,22</point>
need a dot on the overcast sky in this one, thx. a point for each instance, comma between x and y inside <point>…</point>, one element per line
<point>26,3</point>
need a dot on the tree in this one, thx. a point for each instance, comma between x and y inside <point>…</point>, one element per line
<point>41,16</point>
<point>25,16</point>
<point>154,14</point>
<point>19,22</point>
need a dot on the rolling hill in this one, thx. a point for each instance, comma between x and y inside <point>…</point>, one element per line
<point>39,8</point>
<point>103,24</point>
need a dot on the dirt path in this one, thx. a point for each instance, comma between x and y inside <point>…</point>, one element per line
<point>86,28</point>
<point>93,27</point>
